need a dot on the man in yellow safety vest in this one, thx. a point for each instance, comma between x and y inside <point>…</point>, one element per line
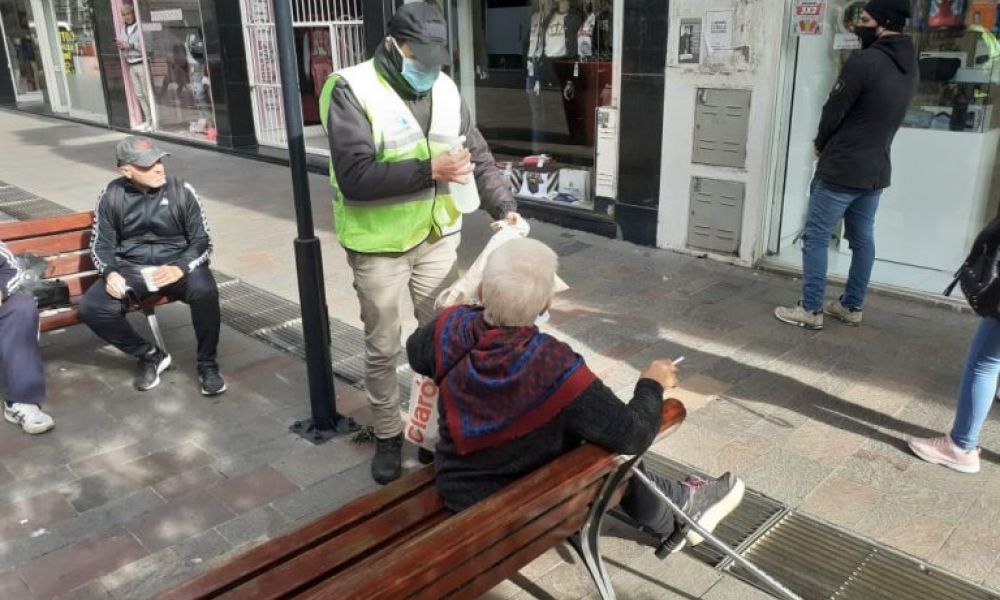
<point>395,125</point>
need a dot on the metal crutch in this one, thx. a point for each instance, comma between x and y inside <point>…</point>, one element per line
<point>781,590</point>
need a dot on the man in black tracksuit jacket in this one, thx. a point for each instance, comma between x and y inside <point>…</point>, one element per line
<point>145,219</point>
<point>20,358</point>
<point>860,120</point>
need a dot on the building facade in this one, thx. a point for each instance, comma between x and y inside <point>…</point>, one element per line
<point>685,125</point>
<point>184,77</point>
<point>737,144</point>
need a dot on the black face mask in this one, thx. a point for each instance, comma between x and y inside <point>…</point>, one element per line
<point>867,35</point>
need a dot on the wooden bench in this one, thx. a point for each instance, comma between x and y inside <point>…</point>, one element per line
<point>400,542</point>
<point>64,242</point>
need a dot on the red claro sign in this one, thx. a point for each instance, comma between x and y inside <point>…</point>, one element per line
<point>421,415</point>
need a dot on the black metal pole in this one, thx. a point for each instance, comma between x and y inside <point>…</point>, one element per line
<point>326,422</point>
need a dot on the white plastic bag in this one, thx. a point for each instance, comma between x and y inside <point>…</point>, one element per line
<point>466,289</point>
<point>421,421</point>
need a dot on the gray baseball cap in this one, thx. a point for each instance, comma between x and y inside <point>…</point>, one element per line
<point>138,151</point>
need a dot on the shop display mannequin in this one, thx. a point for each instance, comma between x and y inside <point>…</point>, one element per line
<point>537,70</point>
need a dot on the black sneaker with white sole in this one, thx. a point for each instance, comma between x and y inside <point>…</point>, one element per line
<point>212,383</point>
<point>150,366</point>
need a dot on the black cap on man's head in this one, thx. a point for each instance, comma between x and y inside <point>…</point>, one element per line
<point>891,14</point>
<point>423,26</point>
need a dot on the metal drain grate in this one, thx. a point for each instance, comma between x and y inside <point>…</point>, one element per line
<point>278,323</point>
<point>819,561</point>
<point>21,204</point>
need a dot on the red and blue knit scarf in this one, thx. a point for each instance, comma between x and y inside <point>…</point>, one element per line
<point>500,383</point>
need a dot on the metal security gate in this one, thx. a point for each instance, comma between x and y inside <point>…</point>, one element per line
<point>343,20</point>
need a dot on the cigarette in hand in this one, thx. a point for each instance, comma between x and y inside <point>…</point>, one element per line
<point>678,361</point>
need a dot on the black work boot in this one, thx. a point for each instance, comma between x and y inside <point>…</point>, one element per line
<point>387,465</point>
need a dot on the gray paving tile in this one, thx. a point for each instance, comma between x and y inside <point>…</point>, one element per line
<point>785,476</point>
<point>730,588</point>
<point>327,494</point>
<point>259,524</point>
<point>316,463</point>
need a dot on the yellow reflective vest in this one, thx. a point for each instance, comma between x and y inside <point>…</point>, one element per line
<point>396,223</point>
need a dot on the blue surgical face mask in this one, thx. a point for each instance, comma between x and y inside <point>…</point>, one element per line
<point>420,78</point>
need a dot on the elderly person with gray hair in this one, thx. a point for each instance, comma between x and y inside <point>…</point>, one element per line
<point>513,398</point>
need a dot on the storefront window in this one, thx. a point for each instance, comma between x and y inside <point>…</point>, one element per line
<point>328,37</point>
<point>23,50</point>
<point>80,63</point>
<point>944,157</point>
<point>169,85</point>
<point>541,69</point>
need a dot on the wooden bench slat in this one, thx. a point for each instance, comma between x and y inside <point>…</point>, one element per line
<point>46,226</point>
<point>337,553</point>
<point>52,244</point>
<point>78,285</point>
<point>69,264</point>
<point>60,320</point>
<point>69,318</point>
<point>290,545</point>
<point>572,512</point>
<point>487,581</point>
<point>471,530</point>
<point>505,531</point>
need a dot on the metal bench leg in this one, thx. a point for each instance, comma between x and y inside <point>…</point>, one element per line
<point>587,545</point>
<point>587,541</point>
<point>777,588</point>
<point>150,313</point>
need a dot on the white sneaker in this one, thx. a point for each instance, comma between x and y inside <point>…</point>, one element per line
<point>796,315</point>
<point>838,311</point>
<point>31,418</point>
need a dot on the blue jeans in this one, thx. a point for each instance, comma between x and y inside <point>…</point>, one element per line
<point>979,385</point>
<point>828,203</point>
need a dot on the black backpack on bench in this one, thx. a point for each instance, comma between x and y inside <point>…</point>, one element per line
<point>48,293</point>
<point>979,275</point>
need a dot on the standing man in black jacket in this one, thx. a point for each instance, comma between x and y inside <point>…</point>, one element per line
<point>395,124</point>
<point>146,221</point>
<point>860,120</point>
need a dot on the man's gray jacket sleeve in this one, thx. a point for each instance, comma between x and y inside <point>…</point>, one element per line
<point>352,151</point>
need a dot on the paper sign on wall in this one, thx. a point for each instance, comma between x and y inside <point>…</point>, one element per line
<point>174,14</point>
<point>152,26</point>
<point>846,41</point>
<point>689,42</point>
<point>719,31</point>
<point>809,17</point>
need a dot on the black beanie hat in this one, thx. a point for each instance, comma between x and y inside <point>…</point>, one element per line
<point>891,14</point>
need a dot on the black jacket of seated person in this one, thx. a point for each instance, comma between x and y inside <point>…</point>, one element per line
<point>550,403</point>
<point>162,226</point>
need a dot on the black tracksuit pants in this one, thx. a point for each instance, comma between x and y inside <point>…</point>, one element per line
<point>20,358</point>
<point>103,313</point>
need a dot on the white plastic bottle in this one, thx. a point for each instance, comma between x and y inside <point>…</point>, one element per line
<point>465,195</point>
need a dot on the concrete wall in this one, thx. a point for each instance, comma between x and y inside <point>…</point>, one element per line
<point>761,26</point>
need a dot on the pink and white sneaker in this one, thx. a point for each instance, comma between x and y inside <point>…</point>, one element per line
<point>942,451</point>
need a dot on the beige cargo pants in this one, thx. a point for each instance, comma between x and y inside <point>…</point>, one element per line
<point>380,281</point>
